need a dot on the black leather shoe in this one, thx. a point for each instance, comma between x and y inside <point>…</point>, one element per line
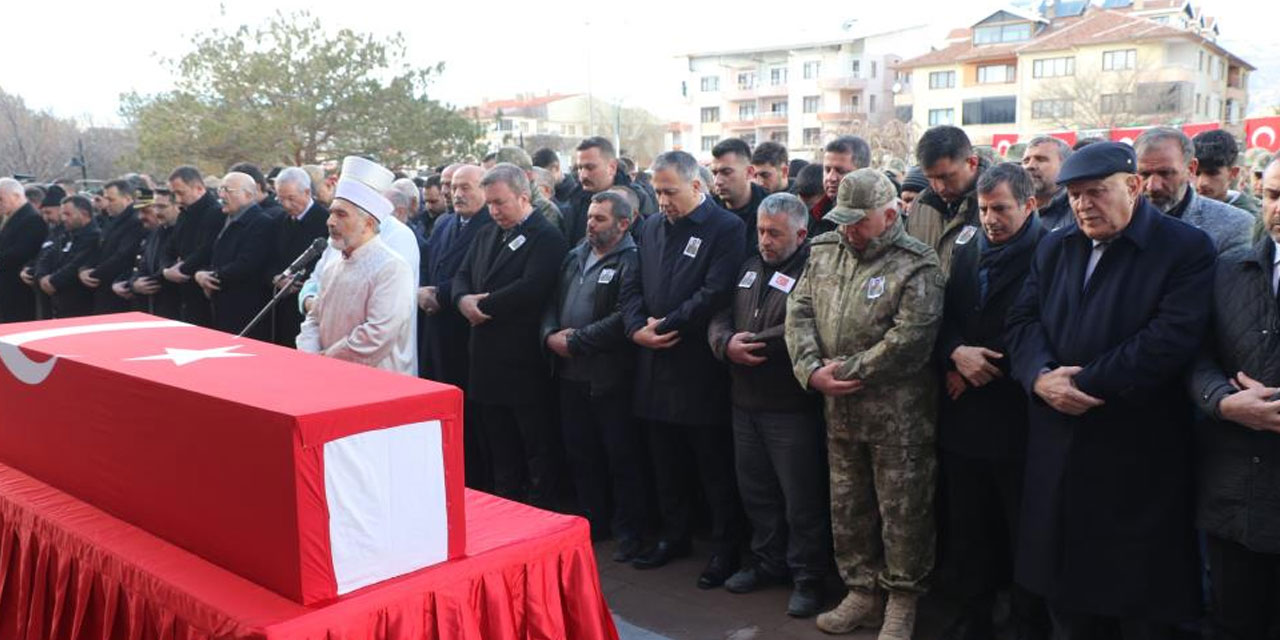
<point>661,553</point>
<point>751,578</point>
<point>627,550</point>
<point>806,599</point>
<point>719,568</point>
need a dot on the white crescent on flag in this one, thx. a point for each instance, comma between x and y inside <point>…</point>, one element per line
<point>1266,130</point>
<point>31,372</point>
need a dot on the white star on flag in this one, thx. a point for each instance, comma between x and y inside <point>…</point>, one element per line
<point>180,357</point>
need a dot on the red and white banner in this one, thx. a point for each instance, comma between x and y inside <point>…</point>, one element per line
<point>307,475</point>
<point>1127,135</point>
<point>1262,133</point>
<point>1200,127</point>
<point>1002,141</point>
<point>1068,137</point>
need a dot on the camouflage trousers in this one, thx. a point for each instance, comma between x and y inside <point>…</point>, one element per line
<point>882,512</point>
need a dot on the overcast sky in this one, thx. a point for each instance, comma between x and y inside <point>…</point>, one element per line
<point>76,62</point>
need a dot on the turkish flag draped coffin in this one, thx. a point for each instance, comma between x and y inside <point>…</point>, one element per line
<point>309,476</point>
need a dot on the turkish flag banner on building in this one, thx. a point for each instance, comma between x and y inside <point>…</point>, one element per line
<point>1068,137</point>
<point>1127,135</point>
<point>1263,133</point>
<point>1002,141</point>
<point>307,475</point>
<point>1193,129</point>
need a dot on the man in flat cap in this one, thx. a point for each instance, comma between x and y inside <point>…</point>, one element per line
<point>860,328</point>
<point>365,310</point>
<point>1111,315</point>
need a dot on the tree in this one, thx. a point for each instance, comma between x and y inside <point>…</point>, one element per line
<point>287,92</point>
<point>40,144</point>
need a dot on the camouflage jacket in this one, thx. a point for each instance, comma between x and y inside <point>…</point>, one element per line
<point>546,208</point>
<point>877,311</point>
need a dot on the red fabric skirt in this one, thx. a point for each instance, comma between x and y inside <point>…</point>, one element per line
<point>71,571</point>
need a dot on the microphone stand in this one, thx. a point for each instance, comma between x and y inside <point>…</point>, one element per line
<point>284,290</point>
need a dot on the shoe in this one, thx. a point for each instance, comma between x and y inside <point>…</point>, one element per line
<point>661,553</point>
<point>751,578</point>
<point>719,568</point>
<point>806,599</point>
<point>859,609</point>
<point>627,550</point>
<point>899,617</point>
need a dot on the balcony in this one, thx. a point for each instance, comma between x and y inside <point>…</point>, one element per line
<point>845,83</point>
<point>741,93</point>
<point>841,116</point>
<point>772,120</point>
<point>770,90</point>
<point>739,124</point>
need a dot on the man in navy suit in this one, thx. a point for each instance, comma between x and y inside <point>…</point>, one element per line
<point>1110,318</point>
<point>501,289</point>
<point>241,252</point>
<point>447,332</point>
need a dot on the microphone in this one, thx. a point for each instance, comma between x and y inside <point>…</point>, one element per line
<point>307,256</point>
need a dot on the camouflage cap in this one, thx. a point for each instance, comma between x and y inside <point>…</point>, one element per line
<point>861,191</point>
<point>1260,162</point>
<point>515,155</point>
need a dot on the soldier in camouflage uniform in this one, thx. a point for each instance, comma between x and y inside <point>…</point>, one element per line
<point>860,327</point>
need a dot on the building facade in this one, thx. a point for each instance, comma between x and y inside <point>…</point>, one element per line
<point>1077,67</point>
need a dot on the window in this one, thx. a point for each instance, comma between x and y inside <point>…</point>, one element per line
<point>812,69</point>
<point>995,74</point>
<point>903,112</point>
<point>1199,104</point>
<point>677,140</point>
<point>747,80</point>
<point>1112,103</point>
<point>709,142</point>
<point>778,76</point>
<point>856,68</point>
<point>747,111</point>
<point>1042,109</point>
<point>1200,67</point>
<point>505,125</point>
<point>779,137</point>
<point>812,104</point>
<point>1000,110</point>
<point>873,69</point>
<point>710,83</point>
<point>941,116</point>
<point>711,114</point>
<point>1002,33</point>
<point>778,109</point>
<point>1122,60</point>
<point>749,138</point>
<point>1162,97</point>
<point>871,103</point>
<point>942,80</point>
<point>812,137</point>
<point>1053,67</point>
<point>853,103</point>
<point>1217,68</point>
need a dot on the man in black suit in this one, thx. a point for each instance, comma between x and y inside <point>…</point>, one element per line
<point>447,333</point>
<point>59,275</point>
<point>233,281</point>
<point>501,289</point>
<point>982,424</point>
<point>22,231</point>
<point>197,226</point>
<point>303,222</point>
<point>118,251</point>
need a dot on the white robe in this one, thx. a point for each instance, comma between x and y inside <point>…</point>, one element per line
<point>366,311</point>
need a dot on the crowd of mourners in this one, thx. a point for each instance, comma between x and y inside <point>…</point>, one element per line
<point>1042,389</point>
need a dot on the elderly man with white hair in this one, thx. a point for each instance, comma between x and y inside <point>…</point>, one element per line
<point>304,220</point>
<point>22,231</point>
<point>365,310</point>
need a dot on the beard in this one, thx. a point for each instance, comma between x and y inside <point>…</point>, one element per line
<point>603,239</point>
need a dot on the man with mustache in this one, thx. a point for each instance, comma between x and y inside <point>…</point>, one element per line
<point>1166,164</point>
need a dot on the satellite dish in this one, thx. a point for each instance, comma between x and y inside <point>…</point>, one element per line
<point>848,24</point>
<point>897,87</point>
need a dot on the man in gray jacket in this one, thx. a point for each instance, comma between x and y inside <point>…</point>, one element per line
<point>1167,163</point>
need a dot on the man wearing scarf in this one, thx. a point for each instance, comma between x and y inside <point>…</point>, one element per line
<point>983,419</point>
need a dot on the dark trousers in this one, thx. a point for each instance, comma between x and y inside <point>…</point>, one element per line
<point>1246,591</point>
<point>522,448</point>
<point>1085,626</point>
<point>195,307</point>
<point>678,449</point>
<point>781,462</point>
<point>606,458</point>
<point>475,449</point>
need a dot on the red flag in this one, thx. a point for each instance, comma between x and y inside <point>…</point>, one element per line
<point>1200,127</point>
<point>1002,141</point>
<point>1263,133</point>
<point>1068,137</point>
<point>1127,135</point>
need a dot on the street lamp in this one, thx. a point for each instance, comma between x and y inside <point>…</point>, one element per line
<point>78,161</point>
